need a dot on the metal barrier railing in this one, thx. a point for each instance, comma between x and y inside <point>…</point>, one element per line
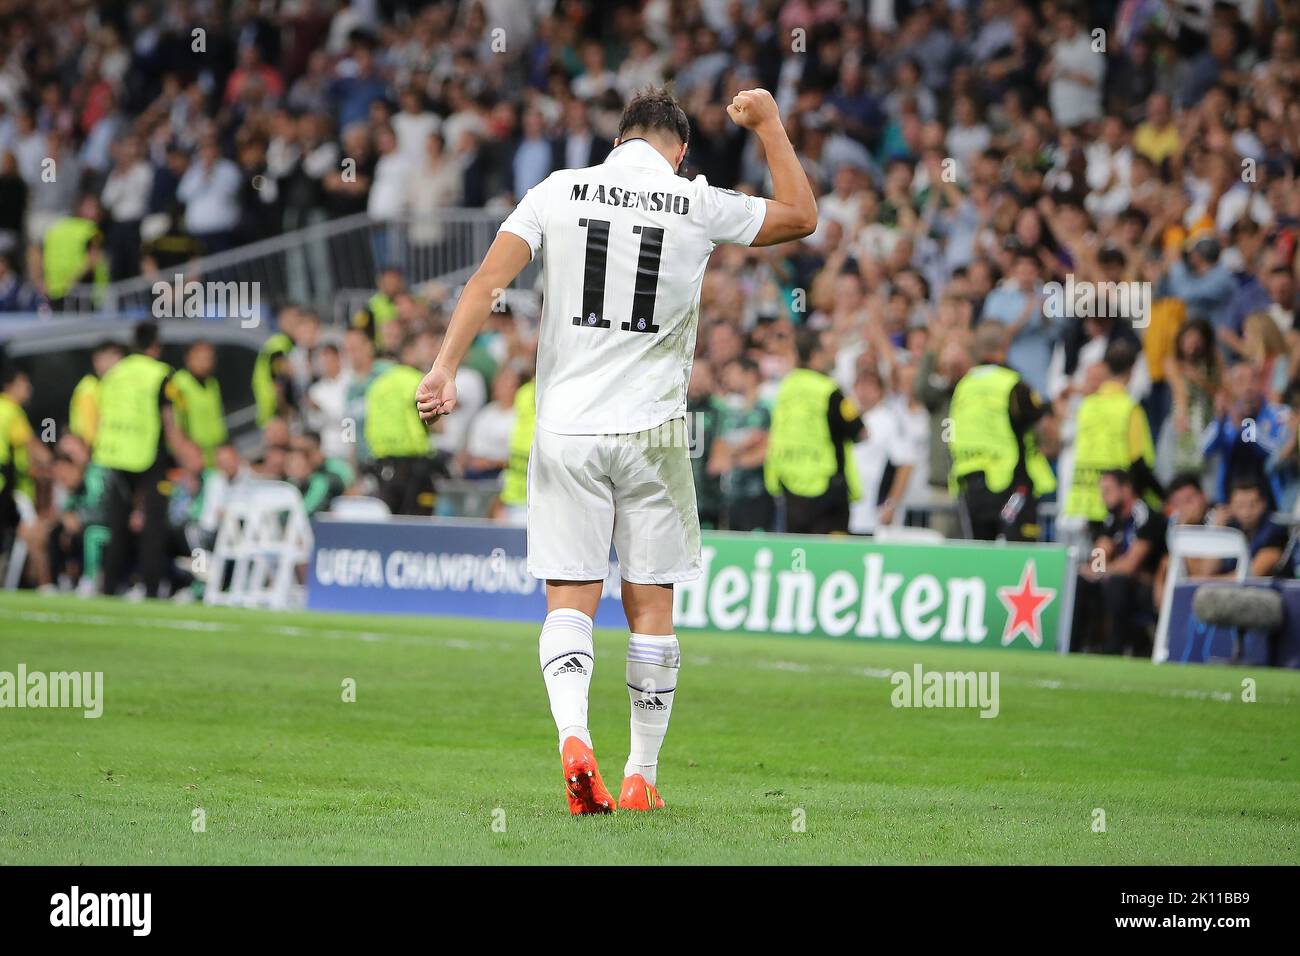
<point>311,265</point>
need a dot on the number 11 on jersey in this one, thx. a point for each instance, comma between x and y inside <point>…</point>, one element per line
<point>596,256</point>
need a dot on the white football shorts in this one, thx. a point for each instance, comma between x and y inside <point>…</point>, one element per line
<point>635,490</point>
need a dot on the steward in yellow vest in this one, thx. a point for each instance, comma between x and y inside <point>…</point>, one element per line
<point>1112,434</point>
<point>200,412</point>
<point>809,459</point>
<point>398,440</point>
<point>271,364</point>
<point>136,425</point>
<point>998,471</point>
<point>72,252</point>
<point>514,486</point>
<point>83,409</point>
<point>19,447</point>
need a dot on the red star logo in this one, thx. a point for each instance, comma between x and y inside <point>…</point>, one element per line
<point>1025,604</point>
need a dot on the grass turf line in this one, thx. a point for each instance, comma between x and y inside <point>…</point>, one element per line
<point>240,713</point>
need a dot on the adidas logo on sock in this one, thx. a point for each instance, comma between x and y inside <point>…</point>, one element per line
<point>650,703</point>
<point>571,666</point>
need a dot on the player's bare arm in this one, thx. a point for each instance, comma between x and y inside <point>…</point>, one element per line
<point>792,210</point>
<point>436,394</point>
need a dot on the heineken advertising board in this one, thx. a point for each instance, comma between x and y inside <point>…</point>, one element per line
<point>957,592</point>
<point>954,593</point>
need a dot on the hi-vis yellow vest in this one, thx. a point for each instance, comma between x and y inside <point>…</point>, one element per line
<point>130,421</point>
<point>83,410</point>
<point>801,457</point>
<point>201,415</point>
<point>64,255</point>
<point>982,438</point>
<point>263,380</point>
<point>393,426</point>
<point>514,486</point>
<point>12,459</point>
<point>1102,443</point>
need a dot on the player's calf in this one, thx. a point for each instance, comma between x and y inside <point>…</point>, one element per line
<point>653,662</point>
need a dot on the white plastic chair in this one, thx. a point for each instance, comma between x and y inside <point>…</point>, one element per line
<point>18,553</point>
<point>264,535</point>
<point>359,508</point>
<point>904,534</point>
<point>1195,541</point>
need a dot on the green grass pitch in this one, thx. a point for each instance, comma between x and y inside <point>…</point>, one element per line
<point>240,714</point>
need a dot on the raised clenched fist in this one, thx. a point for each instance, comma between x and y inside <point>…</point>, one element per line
<point>753,109</point>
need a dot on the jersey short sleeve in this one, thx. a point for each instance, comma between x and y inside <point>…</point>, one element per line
<point>526,219</point>
<point>730,216</point>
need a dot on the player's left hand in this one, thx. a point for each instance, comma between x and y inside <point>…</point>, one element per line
<point>753,108</point>
<point>436,394</point>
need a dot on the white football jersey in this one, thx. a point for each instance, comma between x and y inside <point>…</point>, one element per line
<point>624,248</point>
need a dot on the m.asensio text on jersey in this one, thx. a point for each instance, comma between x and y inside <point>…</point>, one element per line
<point>628,199</point>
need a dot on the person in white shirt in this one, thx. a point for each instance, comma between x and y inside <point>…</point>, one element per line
<point>1073,73</point>
<point>210,191</point>
<point>487,446</point>
<point>327,404</point>
<point>413,125</point>
<point>624,245</point>
<point>387,202</point>
<point>126,199</point>
<point>884,457</point>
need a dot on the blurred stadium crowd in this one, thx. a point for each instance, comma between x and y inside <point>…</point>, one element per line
<point>966,155</point>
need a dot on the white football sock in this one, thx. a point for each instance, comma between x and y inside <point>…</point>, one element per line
<point>652,665</point>
<point>567,661</point>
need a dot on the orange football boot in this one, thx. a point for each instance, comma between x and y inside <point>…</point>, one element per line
<point>587,792</point>
<point>639,795</point>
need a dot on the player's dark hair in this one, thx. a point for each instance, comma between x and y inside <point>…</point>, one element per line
<point>145,336</point>
<point>1121,356</point>
<point>654,108</point>
<point>108,345</point>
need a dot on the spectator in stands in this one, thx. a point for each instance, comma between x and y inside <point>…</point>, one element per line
<point>210,190</point>
<point>737,453</point>
<point>884,457</point>
<point>1186,504</point>
<point>318,486</point>
<point>327,404</point>
<point>126,197</point>
<point>1116,581</point>
<point>1193,371</point>
<point>53,177</point>
<point>1248,437</point>
<point>487,445</point>
<point>1018,304</point>
<point>1248,512</point>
